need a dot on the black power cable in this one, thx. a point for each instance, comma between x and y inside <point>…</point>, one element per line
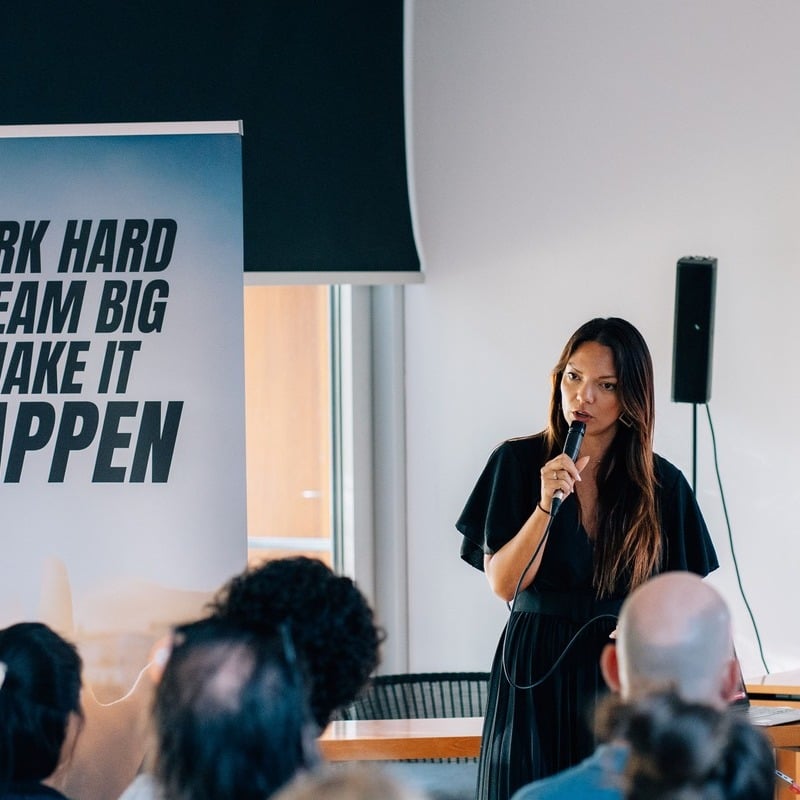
<point>730,539</point>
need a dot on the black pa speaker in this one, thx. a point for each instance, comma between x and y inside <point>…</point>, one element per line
<point>693,339</point>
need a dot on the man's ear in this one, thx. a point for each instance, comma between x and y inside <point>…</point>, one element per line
<point>732,688</point>
<point>609,666</point>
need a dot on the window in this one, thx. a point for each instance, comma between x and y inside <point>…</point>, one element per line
<point>288,420</point>
<point>321,363</point>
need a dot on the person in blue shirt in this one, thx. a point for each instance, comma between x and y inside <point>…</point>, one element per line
<point>674,632</point>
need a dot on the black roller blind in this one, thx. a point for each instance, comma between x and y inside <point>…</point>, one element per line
<point>318,86</point>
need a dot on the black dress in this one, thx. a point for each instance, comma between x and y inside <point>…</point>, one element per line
<point>531,733</point>
<point>31,790</point>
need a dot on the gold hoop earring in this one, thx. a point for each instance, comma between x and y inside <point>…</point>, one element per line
<point>625,420</point>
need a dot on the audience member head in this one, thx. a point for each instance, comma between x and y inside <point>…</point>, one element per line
<point>357,782</point>
<point>331,623</point>
<point>40,710</point>
<point>681,750</point>
<point>674,632</point>
<point>231,717</point>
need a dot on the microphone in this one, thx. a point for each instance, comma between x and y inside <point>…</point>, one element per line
<point>572,446</point>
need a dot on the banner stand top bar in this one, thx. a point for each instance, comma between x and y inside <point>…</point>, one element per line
<point>119,129</point>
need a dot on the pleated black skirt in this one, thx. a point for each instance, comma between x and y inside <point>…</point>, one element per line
<point>530,733</point>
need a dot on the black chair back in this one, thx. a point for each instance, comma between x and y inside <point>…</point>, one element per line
<point>421,695</point>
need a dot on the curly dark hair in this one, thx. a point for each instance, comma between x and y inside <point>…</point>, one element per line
<point>331,624</point>
<point>681,750</point>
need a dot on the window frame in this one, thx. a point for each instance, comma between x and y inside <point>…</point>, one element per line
<point>368,457</point>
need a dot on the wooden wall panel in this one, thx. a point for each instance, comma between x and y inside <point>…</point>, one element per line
<point>287,368</point>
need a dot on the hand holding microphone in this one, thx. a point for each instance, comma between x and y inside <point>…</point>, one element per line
<point>572,447</point>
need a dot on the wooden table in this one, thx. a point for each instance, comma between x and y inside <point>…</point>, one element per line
<point>398,739</point>
<point>460,737</point>
<point>787,735</point>
<point>780,689</point>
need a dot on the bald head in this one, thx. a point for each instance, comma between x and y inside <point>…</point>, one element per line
<point>675,632</point>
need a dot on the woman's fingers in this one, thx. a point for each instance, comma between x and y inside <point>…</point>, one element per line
<point>560,474</point>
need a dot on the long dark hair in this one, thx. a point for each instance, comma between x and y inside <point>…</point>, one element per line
<point>40,687</point>
<point>629,537</point>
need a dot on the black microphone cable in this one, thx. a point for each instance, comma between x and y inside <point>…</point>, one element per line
<point>511,606</point>
<point>572,447</point>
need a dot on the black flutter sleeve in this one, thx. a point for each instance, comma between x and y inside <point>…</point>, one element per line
<point>503,498</point>
<point>688,542</point>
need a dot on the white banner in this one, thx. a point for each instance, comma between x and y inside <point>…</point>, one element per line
<point>121,381</point>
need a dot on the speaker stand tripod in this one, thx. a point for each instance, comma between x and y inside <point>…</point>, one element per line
<point>694,448</point>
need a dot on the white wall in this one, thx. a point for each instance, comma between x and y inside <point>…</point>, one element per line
<point>565,154</point>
